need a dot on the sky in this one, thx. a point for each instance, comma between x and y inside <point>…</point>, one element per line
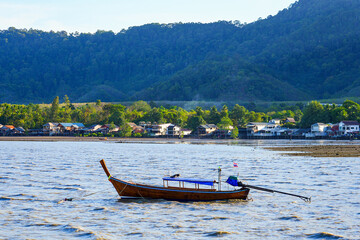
<point>92,15</point>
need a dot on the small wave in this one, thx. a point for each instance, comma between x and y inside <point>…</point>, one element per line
<point>15,198</point>
<point>22,195</point>
<point>324,235</point>
<point>100,209</point>
<point>284,229</point>
<point>5,198</point>
<point>66,188</point>
<point>5,178</point>
<point>139,234</point>
<point>43,225</point>
<point>215,218</point>
<point>80,232</point>
<point>322,218</point>
<point>294,218</point>
<point>217,234</point>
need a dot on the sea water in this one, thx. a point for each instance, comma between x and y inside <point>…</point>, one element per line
<point>36,177</point>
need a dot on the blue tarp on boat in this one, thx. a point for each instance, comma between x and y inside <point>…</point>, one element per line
<point>233,181</point>
<point>191,180</point>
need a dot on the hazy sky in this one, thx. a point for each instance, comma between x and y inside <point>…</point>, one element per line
<point>115,15</point>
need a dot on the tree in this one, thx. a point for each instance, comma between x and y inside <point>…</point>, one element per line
<point>194,122</point>
<point>54,110</point>
<point>352,109</point>
<point>117,117</point>
<point>235,133</point>
<point>224,112</point>
<point>214,116</point>
<point>199,111</point>
<point>225,123</point>
<point>67,101</point>
<point>313,113</point>
<point>125,130</point>
<point>66,111</point>
<point>255,116</point>
<point>154,115</point>
<point>239,115</point>
<point>140,106</point>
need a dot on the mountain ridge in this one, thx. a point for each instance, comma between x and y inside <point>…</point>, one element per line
<point>309,50</point>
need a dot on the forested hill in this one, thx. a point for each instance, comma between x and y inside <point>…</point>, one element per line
<point>310,50</point>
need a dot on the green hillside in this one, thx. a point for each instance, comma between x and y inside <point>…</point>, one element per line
<point>309,51</point>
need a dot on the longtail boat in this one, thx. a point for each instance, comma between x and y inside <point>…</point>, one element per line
<point>178,193</point>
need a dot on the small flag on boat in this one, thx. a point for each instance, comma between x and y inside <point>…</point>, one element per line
<point>235,164</point>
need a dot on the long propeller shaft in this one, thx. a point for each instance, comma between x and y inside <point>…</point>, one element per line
<point>306,199</point>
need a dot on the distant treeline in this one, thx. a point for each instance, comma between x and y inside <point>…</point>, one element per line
<point>34,116</point>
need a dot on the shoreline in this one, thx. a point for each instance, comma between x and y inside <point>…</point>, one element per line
<point>311,148</point>
<point>111,139</point>
<point>352,150</point>
<point>288,142</point>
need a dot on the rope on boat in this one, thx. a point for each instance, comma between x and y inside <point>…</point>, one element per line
<point>141,195</point>
<point>122,190</point>
<point>91,194</point>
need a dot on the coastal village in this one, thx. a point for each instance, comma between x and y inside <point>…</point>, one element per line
<point>254,130</point>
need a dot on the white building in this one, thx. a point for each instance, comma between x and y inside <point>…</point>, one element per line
<point>159,129</point>
<point>348,127</point>
<point>51,128</point>
<point>185,132</point>
<point>173,130</point>
<point>319,129</point>
<point>254,127</point>
<point>275,121</point>
<point>272,130</point>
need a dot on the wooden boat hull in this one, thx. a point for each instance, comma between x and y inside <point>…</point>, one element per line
<point>129,189</point>
<point>180,194</point>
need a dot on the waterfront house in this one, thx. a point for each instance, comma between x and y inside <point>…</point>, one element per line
<point>185,132</point>
<point>35,132</point>
<point>146,126</point>
<point>222,133</point>
<point>66,128</point>
<point>132,125</point>
<point>94,127</point>
<point>334,130</point>
<point>206,129</point>
<point>70,128</point>
<point>173,130</point>
<point>300,132</point>
<point>319,129</point>
<point>275,121</point>
<point>348,127</point>
<point>272,130</point>
<point>158,129</point>
<point>135,128</point>
<point>253,127</point>
<point>289,120</point>
<point>138,129</point>
<point>18,131</point>
<point>79,125</point>
<point>91,129</point>
<point>51,128</point>
<point>107,128</point>
<point>6,129</point>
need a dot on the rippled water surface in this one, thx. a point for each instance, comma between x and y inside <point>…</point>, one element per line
<point>36,176</point>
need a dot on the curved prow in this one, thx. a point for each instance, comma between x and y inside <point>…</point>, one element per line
<point>102,162</point>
